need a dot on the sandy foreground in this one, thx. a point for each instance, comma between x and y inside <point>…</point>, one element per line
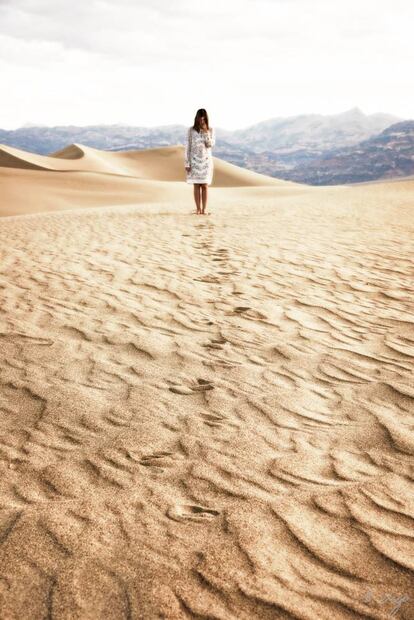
<point>203,417</point>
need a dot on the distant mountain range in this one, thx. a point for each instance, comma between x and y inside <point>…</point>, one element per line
<point>312,148</point>
<point>46,140</point>
<point>387,155</point>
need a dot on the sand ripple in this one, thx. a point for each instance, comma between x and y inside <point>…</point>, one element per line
<point>207,417</point>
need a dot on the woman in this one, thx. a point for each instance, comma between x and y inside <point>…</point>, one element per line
<point>198,158</point>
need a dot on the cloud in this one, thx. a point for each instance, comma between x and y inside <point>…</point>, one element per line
<point>249,59</point>
<point>122,27</point>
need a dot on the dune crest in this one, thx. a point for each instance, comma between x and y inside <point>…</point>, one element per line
<point>72,151</point>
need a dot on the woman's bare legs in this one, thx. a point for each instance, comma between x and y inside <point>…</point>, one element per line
<point>197,196</point>
<point>204,197</point>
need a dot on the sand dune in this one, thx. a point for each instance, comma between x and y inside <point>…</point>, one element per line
<point>162,164</point>
<point>80,176</point>
<point>204,417</point>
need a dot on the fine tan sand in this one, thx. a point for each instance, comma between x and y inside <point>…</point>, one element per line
<point>203,417</point>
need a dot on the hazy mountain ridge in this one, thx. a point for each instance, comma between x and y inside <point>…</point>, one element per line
<point>387,155</point>
<point>45,140</point>
<point>307,131</point>
<point>313,131</point>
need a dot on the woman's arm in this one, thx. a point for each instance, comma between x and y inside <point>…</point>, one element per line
<point>187,153</point>
<point>210,138</point>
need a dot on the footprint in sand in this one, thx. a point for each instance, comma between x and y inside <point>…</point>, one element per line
<point>157,462</point>
<point>215,420</point>
<point>229,273</point>
<point>191,512</point>
<point>201,385</point>
<point>180,389</point>
<point>215,343</point>
<point>212,279</point>
<point>249,312</point>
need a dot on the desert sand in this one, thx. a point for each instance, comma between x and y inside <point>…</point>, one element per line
<point>203,416</point>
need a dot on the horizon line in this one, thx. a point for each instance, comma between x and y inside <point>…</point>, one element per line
<point>30,125</point>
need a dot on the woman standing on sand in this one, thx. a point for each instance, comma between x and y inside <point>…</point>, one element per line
<point>198,158</point>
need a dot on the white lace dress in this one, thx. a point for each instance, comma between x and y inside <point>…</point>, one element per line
<point>198,156</point>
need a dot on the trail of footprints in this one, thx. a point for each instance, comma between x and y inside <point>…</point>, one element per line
<point>118,470</point>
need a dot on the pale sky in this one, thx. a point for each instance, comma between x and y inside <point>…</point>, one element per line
<point>155,62</point>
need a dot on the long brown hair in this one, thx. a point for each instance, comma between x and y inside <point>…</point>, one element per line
<point>200,113</point>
